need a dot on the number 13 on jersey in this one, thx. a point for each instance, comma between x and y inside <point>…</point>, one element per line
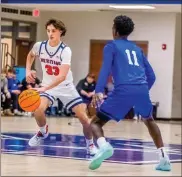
<point>128,52</point>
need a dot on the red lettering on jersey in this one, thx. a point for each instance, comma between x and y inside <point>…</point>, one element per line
<point>50,61</point>
<point>42,60</point>
<point>56,62</point>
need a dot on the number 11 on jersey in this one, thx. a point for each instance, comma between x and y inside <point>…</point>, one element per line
<point>134,57</point>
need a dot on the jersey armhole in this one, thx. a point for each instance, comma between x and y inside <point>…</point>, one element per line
<point>41,46</point>
<point>62,51</point>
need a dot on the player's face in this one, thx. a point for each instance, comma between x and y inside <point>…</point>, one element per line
<point>90,80</point>
<point>53,33</point>
<point>10,75</point>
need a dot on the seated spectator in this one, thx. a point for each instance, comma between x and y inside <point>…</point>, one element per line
<point>14,90</point>
<point>86,88</point>
<point>5,96</point>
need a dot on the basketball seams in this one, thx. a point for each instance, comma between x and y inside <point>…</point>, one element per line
<point>31,104</point>
<point>27,98</point>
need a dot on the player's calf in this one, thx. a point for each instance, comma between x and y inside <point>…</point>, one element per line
<point>41,122</point>
<point>164,162</point>
<point>85,121</point>
<point>40,112</point>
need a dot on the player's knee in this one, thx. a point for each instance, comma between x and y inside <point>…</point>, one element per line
<point>85,123</point>
<point>80,111</point>
<point>148,121</point>
<point>40,110</point>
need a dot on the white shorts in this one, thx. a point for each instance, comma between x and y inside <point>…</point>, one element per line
<point>67,94</point>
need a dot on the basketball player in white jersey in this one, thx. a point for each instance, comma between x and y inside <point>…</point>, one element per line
<point>55,58</point>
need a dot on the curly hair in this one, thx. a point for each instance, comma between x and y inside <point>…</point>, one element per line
<point>123,25</point>
<point>58,24</point>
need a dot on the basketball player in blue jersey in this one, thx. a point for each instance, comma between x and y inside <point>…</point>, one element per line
<point>57,82</point>
<point>133,78</point>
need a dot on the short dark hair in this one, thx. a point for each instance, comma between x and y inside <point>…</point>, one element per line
<point>91,75</point>
<point>11,70</point>
<point>123,25</point>
<point>58,24</point>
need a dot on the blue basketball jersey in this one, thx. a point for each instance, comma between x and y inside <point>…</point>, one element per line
<point>127,64</point>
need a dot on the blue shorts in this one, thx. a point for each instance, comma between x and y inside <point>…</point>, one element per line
<point>125,97</point>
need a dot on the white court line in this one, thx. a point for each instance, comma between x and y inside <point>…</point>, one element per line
<point>113,138</point>
<point>147,147</point>
<point>77,147</point>
<point>125,144</point>
<point>13,137</point>
<point>76,158</point>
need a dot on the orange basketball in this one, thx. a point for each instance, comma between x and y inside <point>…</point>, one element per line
<point>29,100</point>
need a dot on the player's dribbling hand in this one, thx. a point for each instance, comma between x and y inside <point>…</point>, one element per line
<point>30,77</point>
<point>97,100</point>
<point>41,89</point>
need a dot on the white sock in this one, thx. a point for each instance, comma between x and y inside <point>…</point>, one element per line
<point>89,142</point>
<point>101,142</point>
<point>43,129</point>
<point>162,152</point>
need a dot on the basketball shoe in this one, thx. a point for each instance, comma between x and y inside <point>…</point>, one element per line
<point>91,149</point>
<point>103,153</point>
<point>38,137</point>
<point>164,164</point>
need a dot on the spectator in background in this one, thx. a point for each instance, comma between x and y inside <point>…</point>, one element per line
<point>13,87</point>
<point>86,88</point>
<point>5,96</point>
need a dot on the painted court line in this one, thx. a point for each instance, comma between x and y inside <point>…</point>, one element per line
<point>152,149</point>
<point>171,151</point>
<point>77,147</point>
<point>111,161</point>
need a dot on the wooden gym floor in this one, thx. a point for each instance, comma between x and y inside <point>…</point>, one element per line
<point>63,152</point>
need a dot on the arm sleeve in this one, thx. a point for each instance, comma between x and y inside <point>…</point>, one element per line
<point>79,85</point>
<point>108,56</point>
<point>9,82</point>
<point>35,49</point>
<point>66,56</point>
<point>149,73</point>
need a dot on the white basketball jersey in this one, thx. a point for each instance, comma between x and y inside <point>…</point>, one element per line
<point>51,60</point>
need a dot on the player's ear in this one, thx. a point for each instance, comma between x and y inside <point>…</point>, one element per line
<point>114,32</point>
<point>61,33</point>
